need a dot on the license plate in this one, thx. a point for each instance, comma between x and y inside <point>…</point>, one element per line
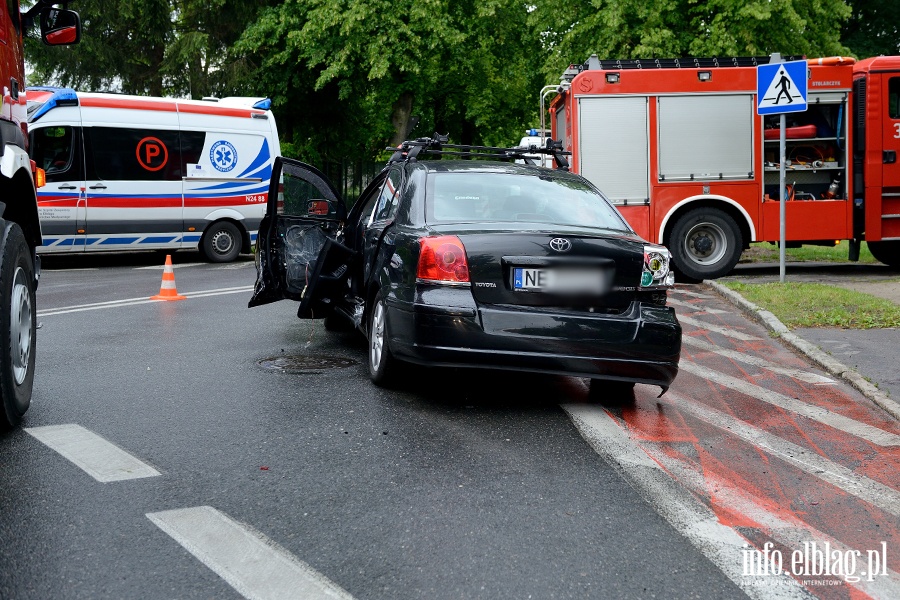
<point>560,281</point>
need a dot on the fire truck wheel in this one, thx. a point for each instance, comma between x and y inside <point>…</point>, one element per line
<point>886,252</point>
<point>18,323</point>
<point>221,243</point>
<point>705,244</point>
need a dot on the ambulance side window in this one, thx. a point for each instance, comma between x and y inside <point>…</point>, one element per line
<point>125,154</point>
<point>56,150</point>
<point>192,143</point>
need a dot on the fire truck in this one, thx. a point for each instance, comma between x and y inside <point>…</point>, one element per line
<point>677,145</point>
<point>20,231</point>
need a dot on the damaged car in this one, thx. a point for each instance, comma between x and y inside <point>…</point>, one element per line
<point>456,256</point>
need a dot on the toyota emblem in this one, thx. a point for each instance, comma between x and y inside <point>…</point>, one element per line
<point>560,245</point>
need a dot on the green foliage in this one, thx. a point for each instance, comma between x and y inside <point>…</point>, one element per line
<point>574,29</point>
<point>153,47</point>
<point>873,28</point>
<point>820,305</point>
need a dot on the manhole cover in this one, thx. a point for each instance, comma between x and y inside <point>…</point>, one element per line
<point>305,364</point>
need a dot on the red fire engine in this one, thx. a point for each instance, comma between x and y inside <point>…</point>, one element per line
<point>20,230</point>
<point>678,147</point>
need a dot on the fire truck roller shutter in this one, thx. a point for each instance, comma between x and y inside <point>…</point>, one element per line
<point>615,151</point>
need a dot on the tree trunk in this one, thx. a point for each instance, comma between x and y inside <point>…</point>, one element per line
<point>402,111</point>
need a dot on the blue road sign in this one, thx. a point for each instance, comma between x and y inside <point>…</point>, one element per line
<point>781,88</point>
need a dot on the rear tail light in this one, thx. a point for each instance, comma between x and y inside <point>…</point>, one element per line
<point>442,260</point>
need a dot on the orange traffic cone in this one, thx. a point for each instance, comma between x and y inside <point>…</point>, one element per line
<point>167,290</point>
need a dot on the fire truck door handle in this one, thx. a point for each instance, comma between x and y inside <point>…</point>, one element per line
<point>99,186</point>
<point>890,157</point>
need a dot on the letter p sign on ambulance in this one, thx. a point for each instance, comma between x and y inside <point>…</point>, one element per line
<point>152,154</point>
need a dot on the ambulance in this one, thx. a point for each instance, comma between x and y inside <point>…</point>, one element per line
<point>141,173</point>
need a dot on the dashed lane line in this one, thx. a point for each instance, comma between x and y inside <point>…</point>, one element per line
<point>869,490</point>
<point>744,337</point>
<point>697,308</point>
<point>757,361</point>
<point>810,411</point>
<point>675,503</point>
<point>248,561</point>
<point>99,458</point>
<point>135,301</point>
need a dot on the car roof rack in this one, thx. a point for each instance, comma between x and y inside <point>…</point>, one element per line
<point>437,145</point>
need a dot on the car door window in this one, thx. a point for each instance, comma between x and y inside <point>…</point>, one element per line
<point>389,197</point>
<point>366,214</point>
<point>300,198</point>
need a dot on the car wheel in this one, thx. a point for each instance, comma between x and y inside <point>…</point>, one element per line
<point>18,324</point>
<point>611,392</point>
<point>886,252</point>
<point>705,243</point>
<point>221,243</point>
<point>382,364</point>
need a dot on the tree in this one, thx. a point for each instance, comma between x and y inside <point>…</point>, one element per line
<point>352,73</point>
<point>873,28</point>
<point>574,29</point>
<point>155,47</point>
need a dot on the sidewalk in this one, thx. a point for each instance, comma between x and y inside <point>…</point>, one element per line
<point>871,352</point>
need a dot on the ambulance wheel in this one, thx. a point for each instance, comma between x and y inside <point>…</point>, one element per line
<point>705,243</point>
<point>221,243</point>
<point>886,252</point>
<point>18,324</point>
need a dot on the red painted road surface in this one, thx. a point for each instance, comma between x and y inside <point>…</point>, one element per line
<point>804,469</point>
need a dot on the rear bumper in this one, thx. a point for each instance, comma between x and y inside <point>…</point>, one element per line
<point>445,327</point>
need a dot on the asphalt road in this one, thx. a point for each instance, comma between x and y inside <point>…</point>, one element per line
<point>200,449</point>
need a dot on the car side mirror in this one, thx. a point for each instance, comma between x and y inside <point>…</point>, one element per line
<point>318,208</point>
<point>60,27</point>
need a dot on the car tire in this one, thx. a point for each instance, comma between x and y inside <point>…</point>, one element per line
<point>18,324</point>
<point>705,243</point>
<point>611,392</point>
<point>382,363</point>
<point>221,242</point>
<point>886,252</point>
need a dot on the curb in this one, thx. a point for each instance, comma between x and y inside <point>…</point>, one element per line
<point>811,351</point>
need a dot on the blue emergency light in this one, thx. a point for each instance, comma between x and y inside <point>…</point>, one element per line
<point>60,97</point>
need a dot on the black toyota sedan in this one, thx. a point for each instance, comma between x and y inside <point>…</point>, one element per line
<point>473,263</point>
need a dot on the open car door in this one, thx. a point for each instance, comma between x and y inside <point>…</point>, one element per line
<point>298,255</point>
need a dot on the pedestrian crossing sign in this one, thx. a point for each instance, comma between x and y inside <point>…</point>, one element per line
<point>781,88</point>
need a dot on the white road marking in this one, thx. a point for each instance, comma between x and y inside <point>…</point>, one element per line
<point>869,490</point>
<point>161,267</point>
<point>694,294</point>
<point>757,361</point>
<point>690,517</point>
<point>810,411</point>
<point>99,458</point>
<point>135,301</point>
<point>247,560</point>
<point>696,307</point>
<point>724,331</point>
<point>786,528</point>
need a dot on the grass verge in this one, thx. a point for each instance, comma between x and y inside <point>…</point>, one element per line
<point>766,252</point>
<point>820,305</point>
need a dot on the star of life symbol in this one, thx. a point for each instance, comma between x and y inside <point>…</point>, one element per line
<point>223,156</point>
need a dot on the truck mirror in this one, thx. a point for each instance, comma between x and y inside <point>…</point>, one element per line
<point>60,27</point>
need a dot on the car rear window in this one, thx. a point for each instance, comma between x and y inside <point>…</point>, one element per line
<point>504,197</point>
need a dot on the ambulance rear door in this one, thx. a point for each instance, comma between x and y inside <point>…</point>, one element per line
<point>228,154</point>
<point>134,171</point>
<point>56,145</point>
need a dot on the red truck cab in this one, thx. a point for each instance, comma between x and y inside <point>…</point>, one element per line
<point>20,230</point>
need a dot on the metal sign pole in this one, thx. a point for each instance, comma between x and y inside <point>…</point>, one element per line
<point>781,211</point>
